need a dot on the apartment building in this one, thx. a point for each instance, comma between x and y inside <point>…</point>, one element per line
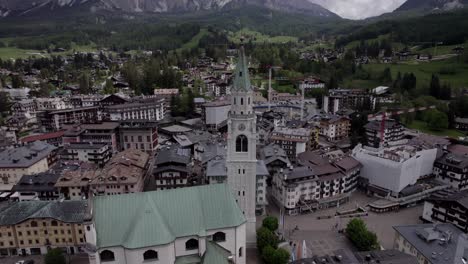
<point>28,159</point>
<point>452,169</point>
<point>452,208</point>
<point>33,227</point>
<point>392,133</point>
<point>138,134</point>
<point>335,128</point>
<point>432,244</point>
<point>56,120</point>
<point>150,110</point>
<point>97,153</point>
<point>292,140</point>
<point>317,183</point>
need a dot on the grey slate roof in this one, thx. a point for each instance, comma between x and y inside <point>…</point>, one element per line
<point>172,155</point>
<point>66,211</point>
<point>41,182</point>
<point>25,156</point>
<point>427,240</point>
<point>391,256</point>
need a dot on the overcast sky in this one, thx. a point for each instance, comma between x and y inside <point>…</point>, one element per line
<point>359,9</point>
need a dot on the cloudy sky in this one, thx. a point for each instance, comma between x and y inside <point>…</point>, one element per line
<point>359,9</point>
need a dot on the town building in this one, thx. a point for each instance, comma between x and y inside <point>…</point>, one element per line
<point>311,83</point>
<point>150,110</point>
<point>52,138</point>
<point>56,120</point>
<point>393,133</point>
<point>389,256</point>
<point>452,208</point>
<point>292,140</point>
<point>138,134</point>
<point>166,93</point>
<point>390,170</point>
<point>339,99</point>
<point>37,187</point>
<point>101,133</point>
<point>452,169</point>
<point>317,183</point>
<point>461,124</point>
<point>44,104</point>
<point>205,227</point>
<point>97,153</point>
<point>29,159</point>
<point>241,161</point>
<point>216,114</point>
<point>335,128</point>
<point>34,227</point>
<point>124,173</point>
<point>274,158</point>
<point>172,168</point>
<point>432,244</point>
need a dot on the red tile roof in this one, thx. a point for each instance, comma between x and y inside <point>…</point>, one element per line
<point>44,136</point>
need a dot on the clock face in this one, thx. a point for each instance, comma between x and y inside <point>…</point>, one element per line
<point>241,127</point>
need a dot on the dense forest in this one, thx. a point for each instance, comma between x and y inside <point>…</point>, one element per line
<point>441,27</point>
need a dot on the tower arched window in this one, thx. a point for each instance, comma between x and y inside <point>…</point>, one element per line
<point>249,101</point>
<point>235,101</point>
<point>242,101</point>
<point>107,255</point>
<point>242,144</point>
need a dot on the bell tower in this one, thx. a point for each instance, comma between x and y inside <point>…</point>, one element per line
<point>241,160</point>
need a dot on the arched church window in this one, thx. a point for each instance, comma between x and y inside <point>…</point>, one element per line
<point>242,101</point>
<point>242,143</point>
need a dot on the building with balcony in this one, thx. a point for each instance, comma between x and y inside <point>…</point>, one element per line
<point>34,227</point>
<point>335,128</point>
<point>56,120</point>
<point>452,208</point>
<point>292,140</point>
<point>138,134</point>
<point>97,153</point>
<point>173,168</point>
<point>452,169</point>
<point>317,183</point>
<point>29,159</point>
<point>39,186</point>
<point>392,133</point>
<point>205,227</point>
<point>150,110</point>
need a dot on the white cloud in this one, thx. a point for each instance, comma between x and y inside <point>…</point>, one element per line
<point>359,9</point>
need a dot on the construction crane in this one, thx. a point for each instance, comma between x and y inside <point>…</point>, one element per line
<point>384,115</point>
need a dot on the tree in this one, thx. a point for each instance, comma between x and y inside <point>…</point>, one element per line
<point>109,87</point>
<point>4,102</point>
<point>84,84</point>
<point>271,223</point>
<point>266,238</point>
<point>434,88</point>
<point>271,255</point>
<point>436,120</point>
<point>363,239</point>
<point>386,76</point>
<point>55,256</point>
<point>332,83</point>
<point>17,81</point>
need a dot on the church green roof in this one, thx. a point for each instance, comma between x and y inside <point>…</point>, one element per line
<point>241,75</point>
<point>156,218</point>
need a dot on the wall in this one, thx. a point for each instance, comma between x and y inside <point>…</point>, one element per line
<point>216,115</point>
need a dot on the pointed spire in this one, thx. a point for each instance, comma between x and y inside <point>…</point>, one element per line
<point>241,78</point>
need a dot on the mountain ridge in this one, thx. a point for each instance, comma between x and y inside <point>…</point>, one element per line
<point>29,7</point>
<point>432,5</point>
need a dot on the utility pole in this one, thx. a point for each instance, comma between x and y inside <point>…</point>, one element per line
<point>269,90</point>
